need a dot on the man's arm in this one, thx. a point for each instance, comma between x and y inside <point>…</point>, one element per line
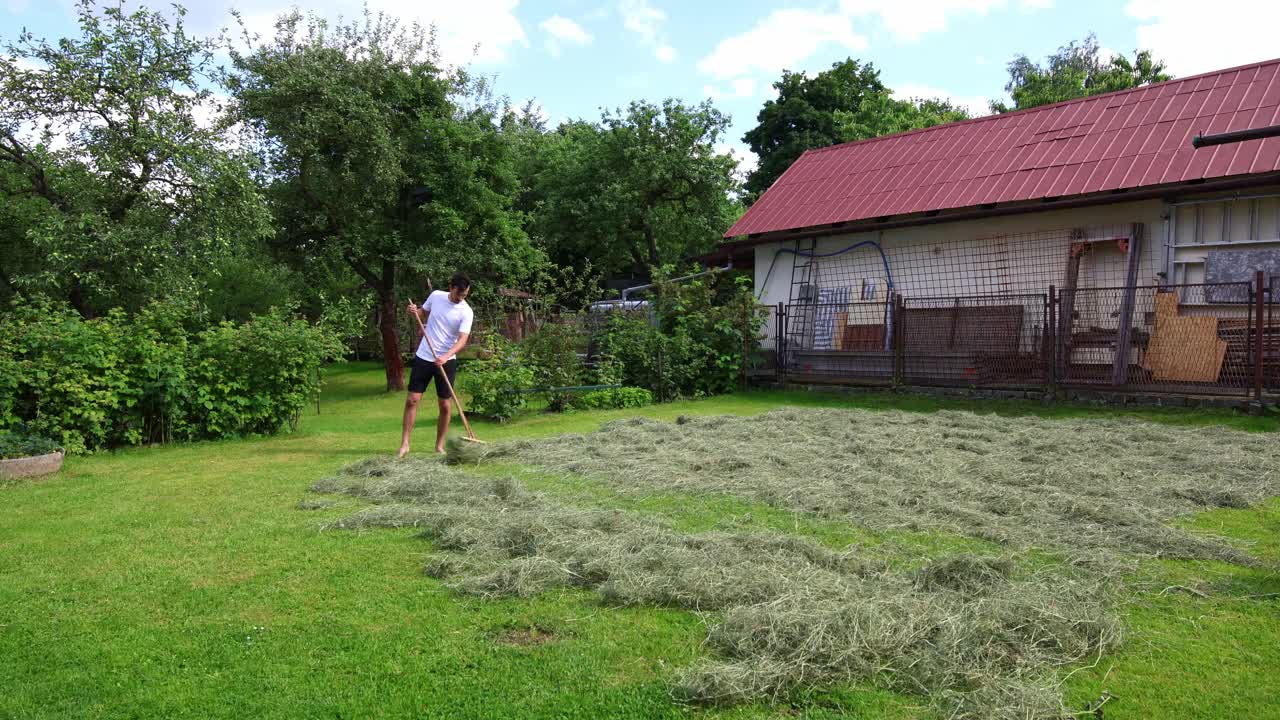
<point>422,313</point>
<point>457,348</point>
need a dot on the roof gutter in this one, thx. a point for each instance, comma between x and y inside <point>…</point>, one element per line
<point>1109,198</point>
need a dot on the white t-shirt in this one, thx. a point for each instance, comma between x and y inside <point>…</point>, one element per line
<point>446,321</point>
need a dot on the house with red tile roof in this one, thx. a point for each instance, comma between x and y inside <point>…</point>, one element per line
<point>1100,192</point>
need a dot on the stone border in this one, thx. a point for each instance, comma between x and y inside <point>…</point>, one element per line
<point>33,466</point>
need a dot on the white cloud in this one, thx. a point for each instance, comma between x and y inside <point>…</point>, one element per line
<point>643,19</point>
<point>739,88</point>
<point>910,20</point>
<point>485,27</point>
<point>976,105</point>
<point>781,41</point>
<point>1193,39</point>
<point>476,30</point>
<point>747,160</point>
<point>562,29</point>
<point>744,87</point>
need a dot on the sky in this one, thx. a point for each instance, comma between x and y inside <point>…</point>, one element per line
<point>577,57</point>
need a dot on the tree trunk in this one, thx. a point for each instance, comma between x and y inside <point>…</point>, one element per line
<point>76,298</point>
<point>655,259</point>
<point>390,340</point>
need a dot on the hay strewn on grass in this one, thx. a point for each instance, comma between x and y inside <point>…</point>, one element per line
<point>978,636</point>
<point>1025,481</point>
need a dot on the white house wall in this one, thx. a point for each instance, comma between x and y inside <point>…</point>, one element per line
<point>937,260</point>
<point>1010,255</point>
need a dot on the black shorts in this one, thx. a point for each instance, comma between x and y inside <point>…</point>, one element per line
<point>424,370</point>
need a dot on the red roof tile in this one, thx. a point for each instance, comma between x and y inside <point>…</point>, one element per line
<point>1122,140</point>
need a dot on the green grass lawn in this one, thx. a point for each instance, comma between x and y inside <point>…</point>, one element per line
<point>184,581</point>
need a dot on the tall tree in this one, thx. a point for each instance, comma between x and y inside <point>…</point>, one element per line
<point>117,193</point>
<point>380,159</point>
<point>644,187</point>
<point>1076,70</point>
<point>847,102</point>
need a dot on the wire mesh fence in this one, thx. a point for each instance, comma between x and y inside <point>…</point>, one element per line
<point>1271,340</point>
<point>1219,338</point>
<point>987,340</point>
<point>1174,339</point>
<point>840,342</point>
<point>938,265</point>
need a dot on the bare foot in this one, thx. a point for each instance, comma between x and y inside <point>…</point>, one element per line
<point>404,450</point>
<point>440,450</point>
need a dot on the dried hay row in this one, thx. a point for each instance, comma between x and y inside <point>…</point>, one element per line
<point>977,636</point>
<point>1027,482</point>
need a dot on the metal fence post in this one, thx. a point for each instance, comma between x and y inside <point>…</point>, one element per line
<point>899,344</point>
<point>1051,339</point>
<point>1259,328</point>
<point>1062,329</point>
<point>780,329</point>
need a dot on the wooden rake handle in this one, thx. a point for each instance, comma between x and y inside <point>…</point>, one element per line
<point>445,376</point>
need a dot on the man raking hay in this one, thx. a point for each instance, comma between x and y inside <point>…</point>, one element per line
<point>445,321</point>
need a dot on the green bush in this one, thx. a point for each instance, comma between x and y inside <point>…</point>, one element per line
<point>615,398</point>
<point>117,380</point>
<point>18,445</point>
<point>707,328</point>
<point>607,370</point>
<point>70,378</point>
<point>637,346</point>
<point>491,382</point>
<point>255,377</point>
<point>552,354</point>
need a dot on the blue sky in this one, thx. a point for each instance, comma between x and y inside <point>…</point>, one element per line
<point>577,56</point>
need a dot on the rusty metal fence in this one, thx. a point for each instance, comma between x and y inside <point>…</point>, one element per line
<point>1184,339</point>
<point>1207,339</point>
<point>987,340</point>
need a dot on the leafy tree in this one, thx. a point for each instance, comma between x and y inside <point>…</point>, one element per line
<point>1076,70</point>
<point>115,192</point>
<point>640,189</point>
<point>380,159</point>
<point>847,102</point>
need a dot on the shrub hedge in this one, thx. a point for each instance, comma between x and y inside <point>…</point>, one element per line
<point>119,380</point>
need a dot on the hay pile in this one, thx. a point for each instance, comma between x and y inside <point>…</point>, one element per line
<point>979,637</point>
<point>1026,482</point>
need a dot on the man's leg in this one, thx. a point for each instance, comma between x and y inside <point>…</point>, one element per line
<point>442,425</point>
<point>410,416</point>
<point>450,371</point>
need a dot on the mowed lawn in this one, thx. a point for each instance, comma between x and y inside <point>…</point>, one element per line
<point>185,581</point>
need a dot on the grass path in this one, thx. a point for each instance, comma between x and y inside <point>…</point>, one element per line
<point>183,582</point>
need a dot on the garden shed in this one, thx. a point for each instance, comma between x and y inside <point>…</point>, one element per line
<point>1067,243</point>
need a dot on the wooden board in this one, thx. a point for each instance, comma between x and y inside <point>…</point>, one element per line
<point>863,338</point>
<point>1160,347</point>
<point>1196,353</point>
<point>1185,349</point>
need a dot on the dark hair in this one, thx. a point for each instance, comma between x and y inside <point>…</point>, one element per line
<point>459,281</point>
